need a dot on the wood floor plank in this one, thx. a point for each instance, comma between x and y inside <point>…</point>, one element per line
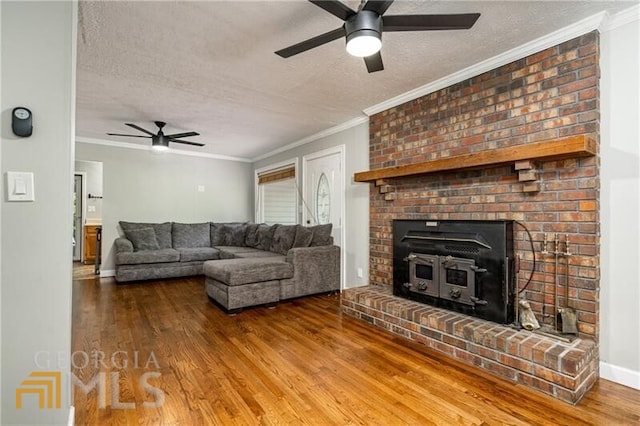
<point>302,362</point>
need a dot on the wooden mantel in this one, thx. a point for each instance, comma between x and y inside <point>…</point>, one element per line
<point>558,149</point>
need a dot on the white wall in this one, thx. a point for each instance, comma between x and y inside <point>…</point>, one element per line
<point>93,170</point>
<point>143,186</point>
<point>38,65</point>
<point>356,245</point>
<point>620,204</point>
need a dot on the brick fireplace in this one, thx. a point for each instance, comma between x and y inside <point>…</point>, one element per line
<point>547,96</point>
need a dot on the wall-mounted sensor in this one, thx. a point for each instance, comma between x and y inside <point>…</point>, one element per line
<point>21,122</point>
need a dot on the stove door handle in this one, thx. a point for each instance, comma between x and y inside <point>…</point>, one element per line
<point>478,301</point>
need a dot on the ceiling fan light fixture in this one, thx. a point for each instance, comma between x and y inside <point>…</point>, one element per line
<point>364,34</point>
<point>364,45</point>
<point>159,143</point>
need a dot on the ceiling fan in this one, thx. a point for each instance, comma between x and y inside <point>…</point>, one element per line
<point>363,28</point>
<point>160,141</point>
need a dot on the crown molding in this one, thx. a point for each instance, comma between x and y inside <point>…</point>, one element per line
<point>621,18</point>
<point>560,36</point>
<point>170,151</point>
<point>327,132</point>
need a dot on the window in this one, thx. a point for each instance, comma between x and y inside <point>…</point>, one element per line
<point>277,196</point>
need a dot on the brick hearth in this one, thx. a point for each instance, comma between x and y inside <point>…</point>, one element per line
<point>564,370</point>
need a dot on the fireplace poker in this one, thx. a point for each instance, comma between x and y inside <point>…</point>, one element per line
<point>544,298</point>
<point>567,316</point>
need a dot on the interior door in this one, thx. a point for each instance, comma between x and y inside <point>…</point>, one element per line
<point>77,217</point>
<point>324,194</point>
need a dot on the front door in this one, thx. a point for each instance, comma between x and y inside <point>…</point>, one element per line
<point>324,193</point>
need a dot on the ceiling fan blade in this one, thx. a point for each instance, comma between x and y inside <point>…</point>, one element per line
<point>335,8</point>
<point>131,136</point>
<point>461,21</point>
<point>182,135</point>
<point>377,6</point>
<point>374,62</point>
<point>311,43</point>
<point>186,142</point>
<point>140,128</point>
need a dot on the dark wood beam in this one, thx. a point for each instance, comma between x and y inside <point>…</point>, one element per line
<point>558,149</point>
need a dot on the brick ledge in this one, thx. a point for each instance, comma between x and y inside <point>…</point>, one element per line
<point>563,370</point>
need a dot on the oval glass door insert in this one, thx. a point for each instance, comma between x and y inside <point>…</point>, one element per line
<point>323,200</point>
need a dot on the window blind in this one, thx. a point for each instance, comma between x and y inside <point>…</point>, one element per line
<point>278,201</point>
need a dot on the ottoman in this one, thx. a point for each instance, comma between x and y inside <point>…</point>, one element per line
<point>238,283</point>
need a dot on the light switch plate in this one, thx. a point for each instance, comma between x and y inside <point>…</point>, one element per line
<point>200,188</point>
<point>20,186</point>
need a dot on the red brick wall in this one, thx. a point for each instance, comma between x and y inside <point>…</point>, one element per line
<point>548,95</point>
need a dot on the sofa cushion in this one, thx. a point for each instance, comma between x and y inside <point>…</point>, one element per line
<point>217,235</point>
<point>259,253</point>
<point>222,234</point>
<point>283,238</point>
<point>265,236</point>
<point>236,236</point>
<point>321,235</point>
<point>148,256</point>
<point>251,236</point>
<point>162,230</point>
<point>189,235</point>
<point>143,239</point>
<point>198,253</point>
<point>247,271</point>
<point>229,252</point>
<point>303,237</point>
<point>232,252</point>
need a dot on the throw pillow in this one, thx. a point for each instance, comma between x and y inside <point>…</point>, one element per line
<point>265,236</point>
<point>162,230</point>
<point>220,232</point>
<point>303,237</point>
<point>143,239</point>
<point>236,235</point>
<point>321,234</point>
<point>217,237</point>
<point>283,238</point>
<point>251,237</point>
<point>188,235</point>
<point>163,234</point>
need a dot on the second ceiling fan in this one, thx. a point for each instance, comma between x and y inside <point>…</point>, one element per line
<point>363,28</point>
<point>160,141</point>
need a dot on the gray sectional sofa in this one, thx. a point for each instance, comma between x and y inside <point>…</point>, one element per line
<point>239,259</point>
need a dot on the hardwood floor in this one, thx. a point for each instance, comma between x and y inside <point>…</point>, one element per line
<point>83,272</point>
<point>301,362</point>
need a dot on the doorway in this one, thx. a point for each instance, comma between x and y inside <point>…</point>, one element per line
<point>87,215</point>
<point>79,183</point>
<point>323,189</point>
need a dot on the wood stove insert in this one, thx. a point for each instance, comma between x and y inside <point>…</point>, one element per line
<point>464,266</point>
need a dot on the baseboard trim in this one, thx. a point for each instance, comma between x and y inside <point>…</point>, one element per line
<point>72,416</point>
<point>620,375</point>
<point>106,273</point>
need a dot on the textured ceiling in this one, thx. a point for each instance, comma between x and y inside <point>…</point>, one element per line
<point>210,66</point>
